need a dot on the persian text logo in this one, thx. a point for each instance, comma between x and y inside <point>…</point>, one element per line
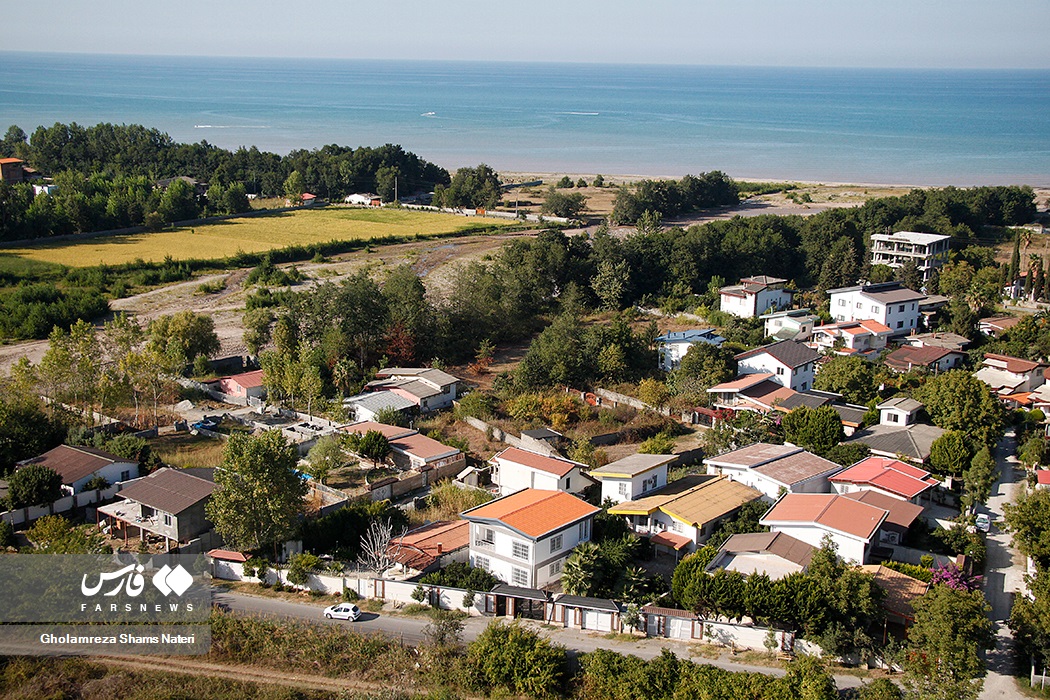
<point>129,578</point>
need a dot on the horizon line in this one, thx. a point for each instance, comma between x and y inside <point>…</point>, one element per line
<point>528,62</point>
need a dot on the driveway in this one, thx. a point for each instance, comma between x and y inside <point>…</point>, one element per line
<point>1004,572</point>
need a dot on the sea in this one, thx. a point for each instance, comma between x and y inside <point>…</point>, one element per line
<point>919,127</point>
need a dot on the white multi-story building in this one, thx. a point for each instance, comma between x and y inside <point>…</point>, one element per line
<point>516,469</point>
<point>796,324</point>
<point>889,303</point>
<point>928,250</point>
<point>525,538</point>
<point>754,296</point>
<point>672,347</point>
<point>790,363</point>
<point>633,476</point>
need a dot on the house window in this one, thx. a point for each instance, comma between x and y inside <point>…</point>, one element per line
<point>913,307</point>
<point>482,563</point>
<point>519,577</point>
<point>900,324</point>
<point>623,488</point>
<point>585,530</point>
<point>804,387</point>
<point>874,309</point>
<point>485,536</point>
<point>893,418</point>
<point>567,480</point>
<point>148,512</point>
<point>555,569</point>
<point>556,543</point>
<point>167,519</point>
<point>676,526</point>
<point>520,550</point>
<point>860,305</point>
<point>125,475</point>
<point>780,370</point>
<point>901,308</point>
<point>842,302</point>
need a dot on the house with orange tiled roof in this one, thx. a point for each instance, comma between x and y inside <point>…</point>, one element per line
<point>514,469</point>
<point>853,526</point>
<point>432,546</point>
<point>891,477</point>
<point>525,538</point>
<point>866,337</point>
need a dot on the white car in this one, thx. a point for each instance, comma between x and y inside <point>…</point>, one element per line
<point>983,523</point>
<point>343,611</point>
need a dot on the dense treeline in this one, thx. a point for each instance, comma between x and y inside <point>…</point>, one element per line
<point>673,197</point>
<point>105,177</point>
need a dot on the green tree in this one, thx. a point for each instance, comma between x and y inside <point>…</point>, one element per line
<point>26,431</point>
<point>184,335</point>
<point>610,284</point>
<point>1033,451</point>
<point>517,660</point>
<point>259,495</point>
<point>653,392</point>
<point>956,400</point>
<point>471,188</point>
<point>1028,518</point>
<point>374,446</point>
<point>325,457</point>
<point>949,454</point>
<point>178,202</point>
<point>817,430</point>
<point>979,478</point>
<point>300,566</point>
<point>34,485</point>
<point>294,187</point>
<point>944,644</point>
<point>561,204</point>
<point>853,377</point>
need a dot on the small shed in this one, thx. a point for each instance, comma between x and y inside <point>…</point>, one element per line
<point>579,612</point>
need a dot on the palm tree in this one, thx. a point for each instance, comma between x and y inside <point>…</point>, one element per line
<point>578,576</point>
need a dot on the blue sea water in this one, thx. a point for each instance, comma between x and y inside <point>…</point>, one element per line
<point>852,125</point>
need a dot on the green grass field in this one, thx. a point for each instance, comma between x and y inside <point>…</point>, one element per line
<point>252,235</point>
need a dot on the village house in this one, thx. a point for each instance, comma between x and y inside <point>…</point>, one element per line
<point>168,504</point>
<point>789,362</point>
<point>774,554</point>
<point>928,251</point>
<point>889,303</point>
<point>244,385</point>
<point>901,593</point>
<point>12,170</point>
<point>1008,376</point>
<point>432,546</point>
<point>891,477</point>
<point>775,469</point>
<point>525,538</point>
<point>898,433</point>
<point>683,514</point>
<point>853,526</point>
<point>367,406</point>
<point>632,477</point>
<point>761,394</point>
<point>865,337</point>
<point>77,465</point>
<point>930,358</point>
<point>410,450</point>
<point>901,514</point>
<point>996,325</point>
<point>754,296</point>
<point>795,324</point>
<point>672,347</point>
<point>938,339</point>
<point>429,389</point>
<point>514,469</point>
<point>364,199</point>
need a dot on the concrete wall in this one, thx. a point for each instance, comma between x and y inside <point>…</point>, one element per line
<point>62,505</point>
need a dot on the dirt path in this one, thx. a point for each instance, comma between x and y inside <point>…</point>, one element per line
<point>247,674</point>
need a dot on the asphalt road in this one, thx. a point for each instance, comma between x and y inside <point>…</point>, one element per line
<point>1004,573</point>
<point>410,631</point>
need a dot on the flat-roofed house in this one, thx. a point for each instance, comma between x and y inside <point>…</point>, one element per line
<point>686,512</point>
<point>773,553</point>
<point>169,503</point>
<point>77,465</point>
<point>1010,375</point>
<point>633,476</point>
<point>927,250</point>
<point>775,469</point>
<point>525,538</point>
<point>515,469</point>
<point>852,525</point>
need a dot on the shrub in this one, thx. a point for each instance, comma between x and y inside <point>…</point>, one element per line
<point>7,537</point>
<point>516,660</point>
<point>419,594</point>
<point>34,485</point>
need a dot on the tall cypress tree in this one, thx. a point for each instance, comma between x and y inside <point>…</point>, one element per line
<point>1015,258</point>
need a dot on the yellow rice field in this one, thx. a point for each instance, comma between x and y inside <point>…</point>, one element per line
<point>252,235</point>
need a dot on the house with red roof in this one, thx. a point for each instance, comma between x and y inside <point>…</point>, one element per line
<point>514,469</point>
<point>866,336</point>
<point>891,477</point>
<point>852,525</point>
<point>432,546</point>
<point>525,538</point>
<point>243,385</point>
<point>927,357</point>
<point>1042,478</point>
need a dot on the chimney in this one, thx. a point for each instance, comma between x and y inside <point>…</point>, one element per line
<point>439,549</point>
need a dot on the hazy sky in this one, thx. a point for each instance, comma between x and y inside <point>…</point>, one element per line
<point>879,33</point>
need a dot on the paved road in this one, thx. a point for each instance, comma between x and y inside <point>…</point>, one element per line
<point>1004,573</point>
<point>410,630</point>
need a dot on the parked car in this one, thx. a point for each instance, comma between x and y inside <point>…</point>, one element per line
<point>343,611</point>
<point>983,522</point>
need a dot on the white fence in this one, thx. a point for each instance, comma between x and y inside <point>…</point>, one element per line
<point>62,505</point>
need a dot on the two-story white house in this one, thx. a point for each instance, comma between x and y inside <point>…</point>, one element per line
<point>77,465</point>
<point>1010,375</point>
<point>889,303</point>
<point>775,469</point>
<point>525,538</point>
<point>672,347</point>
<point>794,324</point>
<point>790,363</point>
<point>515,469</point>
<point>633,476</point>
<point>927,250</point>
<point>429,389</point>
<point>853,525</point>
<point>754,296</point>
